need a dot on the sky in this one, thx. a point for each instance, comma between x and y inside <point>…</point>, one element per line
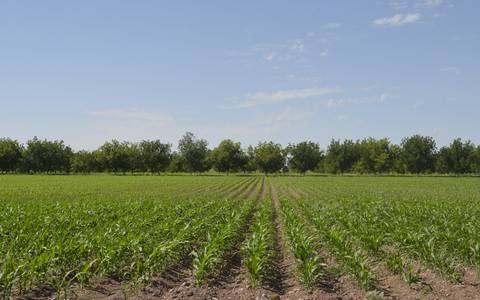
<point>91,71</point>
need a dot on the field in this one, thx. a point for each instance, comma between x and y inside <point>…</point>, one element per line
<point>239,237</point>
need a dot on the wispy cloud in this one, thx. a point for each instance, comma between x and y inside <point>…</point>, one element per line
<point>297,45</point>
<point>431,3</point>
<point>399,4</point>
<point>339,102</point>
<point>450,69</point>
<point>414,4</point>
<point>269,56</point>
<point>331,25</point>
<point>397,20</point>
<point>324,53</point>
<point>265,126</point>
<point>262,98</point>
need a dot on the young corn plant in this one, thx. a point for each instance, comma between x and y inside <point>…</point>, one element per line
<point>209,258</point>
<point>302,243</point>
<point>257,250</point>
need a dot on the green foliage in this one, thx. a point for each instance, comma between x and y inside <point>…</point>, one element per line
<point>341,157</point>
<point>209,258</point>
<point>418,154</point>
<point>84,162</point>
<point>228,157</point>
<point>115,156</point>
<point>269,157</point>
<point>305,156</point>
<point>46,156</point>
<point>303,245</point>
<point>154,156</point>
<point>55,231</point>
<point>194,153</point>
<point>258,248</point>
<point>459,158</point>
<point>10,155</point>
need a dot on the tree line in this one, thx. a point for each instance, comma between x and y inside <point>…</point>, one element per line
<point>414,155</point>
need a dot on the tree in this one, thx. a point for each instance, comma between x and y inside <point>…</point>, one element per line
<point>154,156</point>
<point>194,153</point>
<point>456,158</point>
<point>269,157</point>
<point>115,156</point>
<point>175,164</point>
<point>10,155</point>
<point>84,162</point>
<point>375,156</point>
<point>475,161</point>
<point>305,156</point>
<point>228,156</point>
<point>341,157</point>
<point>46,156</point>
<point>418,154</point>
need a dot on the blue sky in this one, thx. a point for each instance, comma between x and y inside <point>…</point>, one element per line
<point>90,71</point>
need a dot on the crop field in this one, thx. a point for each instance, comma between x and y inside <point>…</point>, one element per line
<point>239,237</point>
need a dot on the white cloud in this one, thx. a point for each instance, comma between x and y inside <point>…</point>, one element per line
<point>397,20</point>
<point>324,53</point>
<point>399,5</point>
<point>450,69</point>
<point>260,98</point>
<point>333,102</point>
<point>431,3</point>
<point>331,25</point>
<point>296,45</point>
<point>273,125</point>
<point>268,56</point>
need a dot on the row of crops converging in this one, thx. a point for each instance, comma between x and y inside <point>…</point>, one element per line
<point>69,232</point>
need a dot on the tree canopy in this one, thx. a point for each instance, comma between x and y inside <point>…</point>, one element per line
<point>415,155</point>
<point>269,157</point>
<point>304,156</point>
<point>194,153</point>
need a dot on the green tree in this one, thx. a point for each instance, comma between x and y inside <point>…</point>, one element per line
<point>228,156</point>
<point>115,156</point>
<point>194,153</point>
<point>46,156</point>
<point>475,161</point>
<point>341,157</point>
<point>154,156</point>
<point>10,155</point>
<point>304,156</point>
<point>418,154</point>
<point>175,164</point>
<point>269,157</point>
<point>375,156</point>
<point>84,162</point>
<point>456,158</point>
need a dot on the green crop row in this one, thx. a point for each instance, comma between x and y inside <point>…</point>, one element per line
<point>209,258</point>
<point>129,233</point>
<point>258,248</point>
<point>303,246</point>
